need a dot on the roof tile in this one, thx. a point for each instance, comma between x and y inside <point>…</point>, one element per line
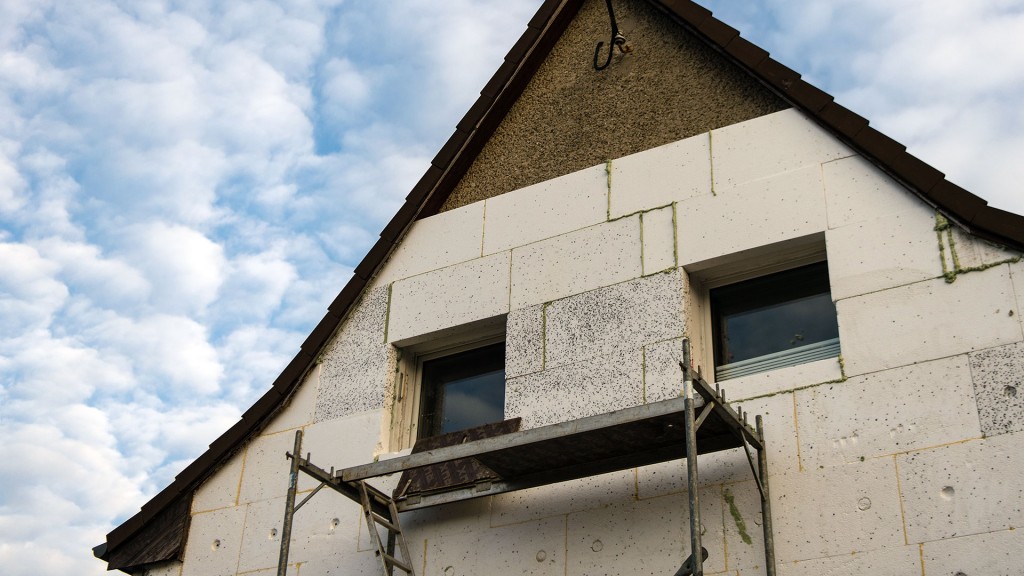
<point>425,185</point>
<point>955,199</point>
<point>374,258</point>
<point>230,439</point>
<point>118,535</point>
<point>263,407</point>
<point>499,79</point>
<point>198,467</point>
<point>915,171</point>
<point>717,31</point>
<point>476,112</point>
<point>321,333</point>
<point>163,498</point>
<point>293,371</point>
<point>776,74</point>
<point>748,53</point>
<point>878,145</point>
<point>998,222</point>
<point>348,295</point>
<point>523,45</point>
<point>842,120</point>
<point>543,14</point>
<point>809,97</point>
<point>690,12</point>
<point>450,148</point>
<point>400,221</point>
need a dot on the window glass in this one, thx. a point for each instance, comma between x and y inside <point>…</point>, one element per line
<point>463,390</point>
<point>787,317</point>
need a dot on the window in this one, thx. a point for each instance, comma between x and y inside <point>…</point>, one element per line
<point>447,381</point>
<point>773,321</point>
<point>462,390</point>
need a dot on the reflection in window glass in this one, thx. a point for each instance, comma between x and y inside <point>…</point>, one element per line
<point>463,390</point>
<point>787,312</point>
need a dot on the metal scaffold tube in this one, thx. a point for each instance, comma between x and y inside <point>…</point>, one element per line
<point>696,557</point>
<point>766,503</point>
<point>289,506</point>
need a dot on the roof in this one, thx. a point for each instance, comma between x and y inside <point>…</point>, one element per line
<point>452,162</point>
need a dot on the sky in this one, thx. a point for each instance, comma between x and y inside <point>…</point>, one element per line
<point>185,185</point>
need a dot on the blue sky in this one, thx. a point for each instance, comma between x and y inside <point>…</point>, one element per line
<point>185,186</point>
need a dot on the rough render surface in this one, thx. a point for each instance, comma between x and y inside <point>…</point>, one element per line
<point>357,362</point>
<point>570,116</point>
<point>998,375</point>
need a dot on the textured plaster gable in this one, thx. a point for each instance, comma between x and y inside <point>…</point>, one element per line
<point>571,117</point>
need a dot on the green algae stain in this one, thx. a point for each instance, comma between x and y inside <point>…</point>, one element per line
<point>737,517</point>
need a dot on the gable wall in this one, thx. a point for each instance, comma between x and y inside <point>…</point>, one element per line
<point>571,117</point>
<point>906,451</point>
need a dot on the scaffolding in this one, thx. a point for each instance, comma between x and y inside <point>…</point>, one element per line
<point>699,422</point>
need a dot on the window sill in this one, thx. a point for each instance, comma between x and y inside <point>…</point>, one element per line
<point>802,355</point>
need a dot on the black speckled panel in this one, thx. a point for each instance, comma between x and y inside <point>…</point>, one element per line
<point>998,375</point>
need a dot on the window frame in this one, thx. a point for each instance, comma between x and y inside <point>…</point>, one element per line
<point>759,261</point>
<point>408,397</point>
<point>431,395</point>
<point>772,290</point>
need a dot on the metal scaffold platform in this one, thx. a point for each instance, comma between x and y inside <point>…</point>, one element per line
<point>699,422</point>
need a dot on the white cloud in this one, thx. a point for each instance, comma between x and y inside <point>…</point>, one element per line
<point>183,266</point>
<point>252,355</point>
<point>940,77</point>
<point>29,294</point>
<point>170,355</point>
<point>186,185</point>
<point>107,282</point>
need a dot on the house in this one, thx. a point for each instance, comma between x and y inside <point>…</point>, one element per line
<point>573,230</point>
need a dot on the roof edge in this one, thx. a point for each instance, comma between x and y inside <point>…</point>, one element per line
<point>476,127</point>
<point>967,210</point>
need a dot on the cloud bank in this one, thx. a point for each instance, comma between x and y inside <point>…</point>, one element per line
<point>185,186</point>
